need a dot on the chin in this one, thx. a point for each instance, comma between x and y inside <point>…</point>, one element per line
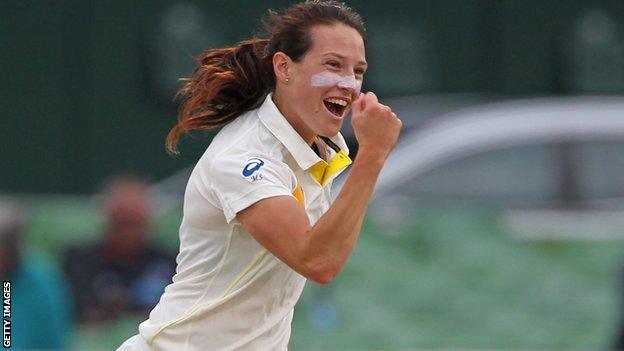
<point>330,131</point>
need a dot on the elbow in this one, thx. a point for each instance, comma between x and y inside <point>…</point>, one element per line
<point>322,278</point>
<point>322,272</point>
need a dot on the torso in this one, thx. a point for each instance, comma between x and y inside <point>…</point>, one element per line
<point>229,292</point>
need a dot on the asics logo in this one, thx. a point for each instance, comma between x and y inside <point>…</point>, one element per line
<point>253,165</point>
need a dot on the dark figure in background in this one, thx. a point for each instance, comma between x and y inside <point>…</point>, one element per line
<point>619,330</point>
<point>40,304</point>
<point>122,273</point>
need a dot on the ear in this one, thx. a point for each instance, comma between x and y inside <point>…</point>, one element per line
<point>282,66</point>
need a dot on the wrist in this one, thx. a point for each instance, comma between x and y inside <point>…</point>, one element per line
<point>372,155</point>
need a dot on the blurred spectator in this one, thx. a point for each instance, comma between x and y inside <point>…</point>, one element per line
<point>122,273</point>
<point>40,305</point>
<point>619,331</point>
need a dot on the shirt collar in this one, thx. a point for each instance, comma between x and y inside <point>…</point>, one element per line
<point>303,154</point>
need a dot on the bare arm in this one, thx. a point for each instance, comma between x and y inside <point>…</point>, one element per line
<point>319,252</point>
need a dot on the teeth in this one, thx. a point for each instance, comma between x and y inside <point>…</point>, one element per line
<point>337,102</point>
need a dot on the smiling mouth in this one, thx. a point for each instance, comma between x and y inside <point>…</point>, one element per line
<point>336,108</point>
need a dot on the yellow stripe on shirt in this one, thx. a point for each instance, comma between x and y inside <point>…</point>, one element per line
<point>298,194</point>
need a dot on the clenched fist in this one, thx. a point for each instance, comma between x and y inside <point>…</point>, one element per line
<point>376,127</point>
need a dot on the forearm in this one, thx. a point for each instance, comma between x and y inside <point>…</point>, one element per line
<point>332,239</point>
<point>320,251</point>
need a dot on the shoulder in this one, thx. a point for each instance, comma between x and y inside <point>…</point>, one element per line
<point>246,133</point>
<point>41,271</point>
<point>246,140</point>
<point>244,163</point>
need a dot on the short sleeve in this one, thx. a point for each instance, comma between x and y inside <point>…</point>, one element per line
<point>239,182</point>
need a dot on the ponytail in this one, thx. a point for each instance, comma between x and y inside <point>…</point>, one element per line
<point>230,81</point>
<point>226,83</point>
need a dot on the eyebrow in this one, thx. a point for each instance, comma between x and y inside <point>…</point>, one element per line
<point>343,57</point>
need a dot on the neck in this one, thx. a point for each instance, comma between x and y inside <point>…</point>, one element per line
<point>284,107</point>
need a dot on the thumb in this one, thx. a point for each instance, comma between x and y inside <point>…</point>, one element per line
<point>358,104</point>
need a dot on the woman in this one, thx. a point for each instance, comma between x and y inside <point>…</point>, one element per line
<point>257,215</point>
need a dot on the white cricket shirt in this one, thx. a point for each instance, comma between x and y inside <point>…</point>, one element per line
<point>228,292</point>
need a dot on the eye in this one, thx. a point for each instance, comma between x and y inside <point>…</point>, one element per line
<point>360,72</point>
<point>334,64</point>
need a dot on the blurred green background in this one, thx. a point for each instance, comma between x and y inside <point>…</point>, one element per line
<point>451,277</point>
<point>88,85</point>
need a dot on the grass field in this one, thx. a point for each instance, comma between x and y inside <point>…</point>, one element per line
<point>450,278</point>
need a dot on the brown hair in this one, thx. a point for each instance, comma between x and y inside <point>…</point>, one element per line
<point>230,81</point>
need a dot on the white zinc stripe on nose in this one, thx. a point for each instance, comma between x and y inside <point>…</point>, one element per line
<point>327,79</point>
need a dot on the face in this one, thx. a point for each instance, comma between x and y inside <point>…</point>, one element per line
<point>128,216</point>
<point>4,261</point>
<point>326,81</point>
<point>10,250</point>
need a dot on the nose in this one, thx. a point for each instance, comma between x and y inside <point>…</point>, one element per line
<point>331,79</point>
<point>349,85</point>
<point>348,82</point>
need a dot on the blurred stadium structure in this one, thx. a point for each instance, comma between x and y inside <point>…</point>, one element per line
<point>497,223</point>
